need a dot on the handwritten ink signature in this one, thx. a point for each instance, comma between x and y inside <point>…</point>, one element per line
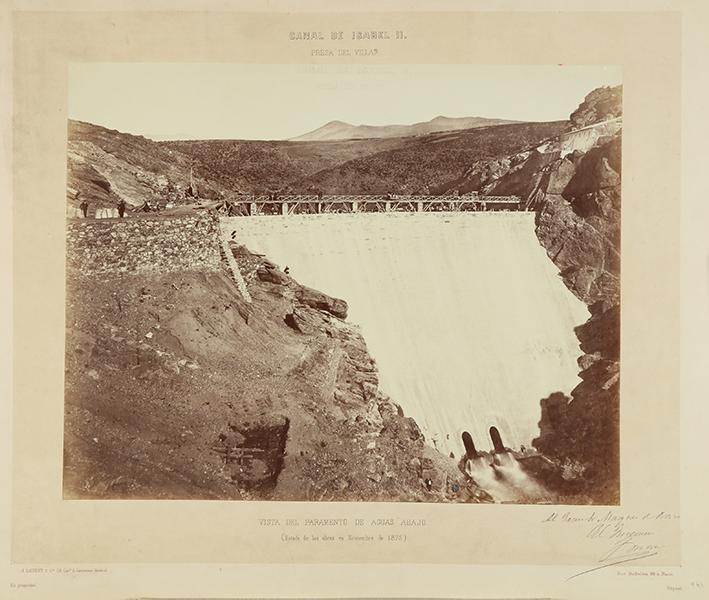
<point>626,549</point>
<point>610,564</point>
<point>623,548</point>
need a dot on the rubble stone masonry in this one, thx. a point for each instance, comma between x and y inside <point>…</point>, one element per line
<point>150,244</point>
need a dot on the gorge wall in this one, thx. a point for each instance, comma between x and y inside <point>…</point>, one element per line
<point>572,181</point>
<point>578,222</point>
<point>578,203</point>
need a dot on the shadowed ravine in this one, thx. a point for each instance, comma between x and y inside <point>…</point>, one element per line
<point>465,314</point>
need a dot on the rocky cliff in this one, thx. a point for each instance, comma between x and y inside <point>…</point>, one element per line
<point>577,198</point>
<point>601,104</point>
<point>579,224</point>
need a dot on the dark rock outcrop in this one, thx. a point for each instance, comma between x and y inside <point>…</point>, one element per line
<point>522,180</point>
<point>303,321</point>
<point>599,105</point>
<point>599,335</point>
<point>272,275</point>
<point>316,299</point>
<point>578,222</point>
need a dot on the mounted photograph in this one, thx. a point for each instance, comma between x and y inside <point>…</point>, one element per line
<point>343,283</point>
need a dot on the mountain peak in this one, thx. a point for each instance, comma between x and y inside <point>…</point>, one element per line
<point>339,130</point>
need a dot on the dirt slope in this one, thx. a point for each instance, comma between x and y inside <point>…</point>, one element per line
<point>176,388</point>
<point>105,166</point>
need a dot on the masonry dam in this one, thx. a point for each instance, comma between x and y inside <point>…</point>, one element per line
<point>460,306</point>
<point>465,314</point>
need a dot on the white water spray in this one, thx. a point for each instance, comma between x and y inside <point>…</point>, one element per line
<point>504,479</point>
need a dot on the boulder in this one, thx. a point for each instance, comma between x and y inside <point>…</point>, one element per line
<point>293,321</point>
<point>316,299</point>
<point>600,334</point>
<point>272,275</point>
<point>559,178</point>
<point>605,175</point>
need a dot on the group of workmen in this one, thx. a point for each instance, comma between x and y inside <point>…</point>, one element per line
<point>120,206</point>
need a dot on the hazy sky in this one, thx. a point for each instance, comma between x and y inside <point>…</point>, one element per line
<point>205,101</point>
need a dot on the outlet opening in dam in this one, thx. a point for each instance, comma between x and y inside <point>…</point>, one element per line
<point>465,314</point>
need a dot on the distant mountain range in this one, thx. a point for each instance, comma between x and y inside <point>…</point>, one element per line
<point>106,165</point>
<point>339,130</point>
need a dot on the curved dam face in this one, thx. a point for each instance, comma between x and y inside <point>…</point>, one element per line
<point>464,313</point>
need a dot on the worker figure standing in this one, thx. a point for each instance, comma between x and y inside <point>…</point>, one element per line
<point>84,206</point>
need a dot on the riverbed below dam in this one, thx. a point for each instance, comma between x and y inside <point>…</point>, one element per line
<point>465,314</point>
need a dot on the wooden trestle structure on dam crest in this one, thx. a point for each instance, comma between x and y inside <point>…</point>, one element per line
<point>277,204</point>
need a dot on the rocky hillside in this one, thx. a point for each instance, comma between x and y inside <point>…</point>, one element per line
<point>162,401</point>
<point>600,105</point>
<point>258,167</point>
<point>105,165</point>
<point>431,163</point>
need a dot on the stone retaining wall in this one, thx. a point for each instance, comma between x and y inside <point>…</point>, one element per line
<point>155,244</point>
<point>234,270</point>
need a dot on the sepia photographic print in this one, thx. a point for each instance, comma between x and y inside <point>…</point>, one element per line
<point>393,300</point>
<point>343,283</point>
